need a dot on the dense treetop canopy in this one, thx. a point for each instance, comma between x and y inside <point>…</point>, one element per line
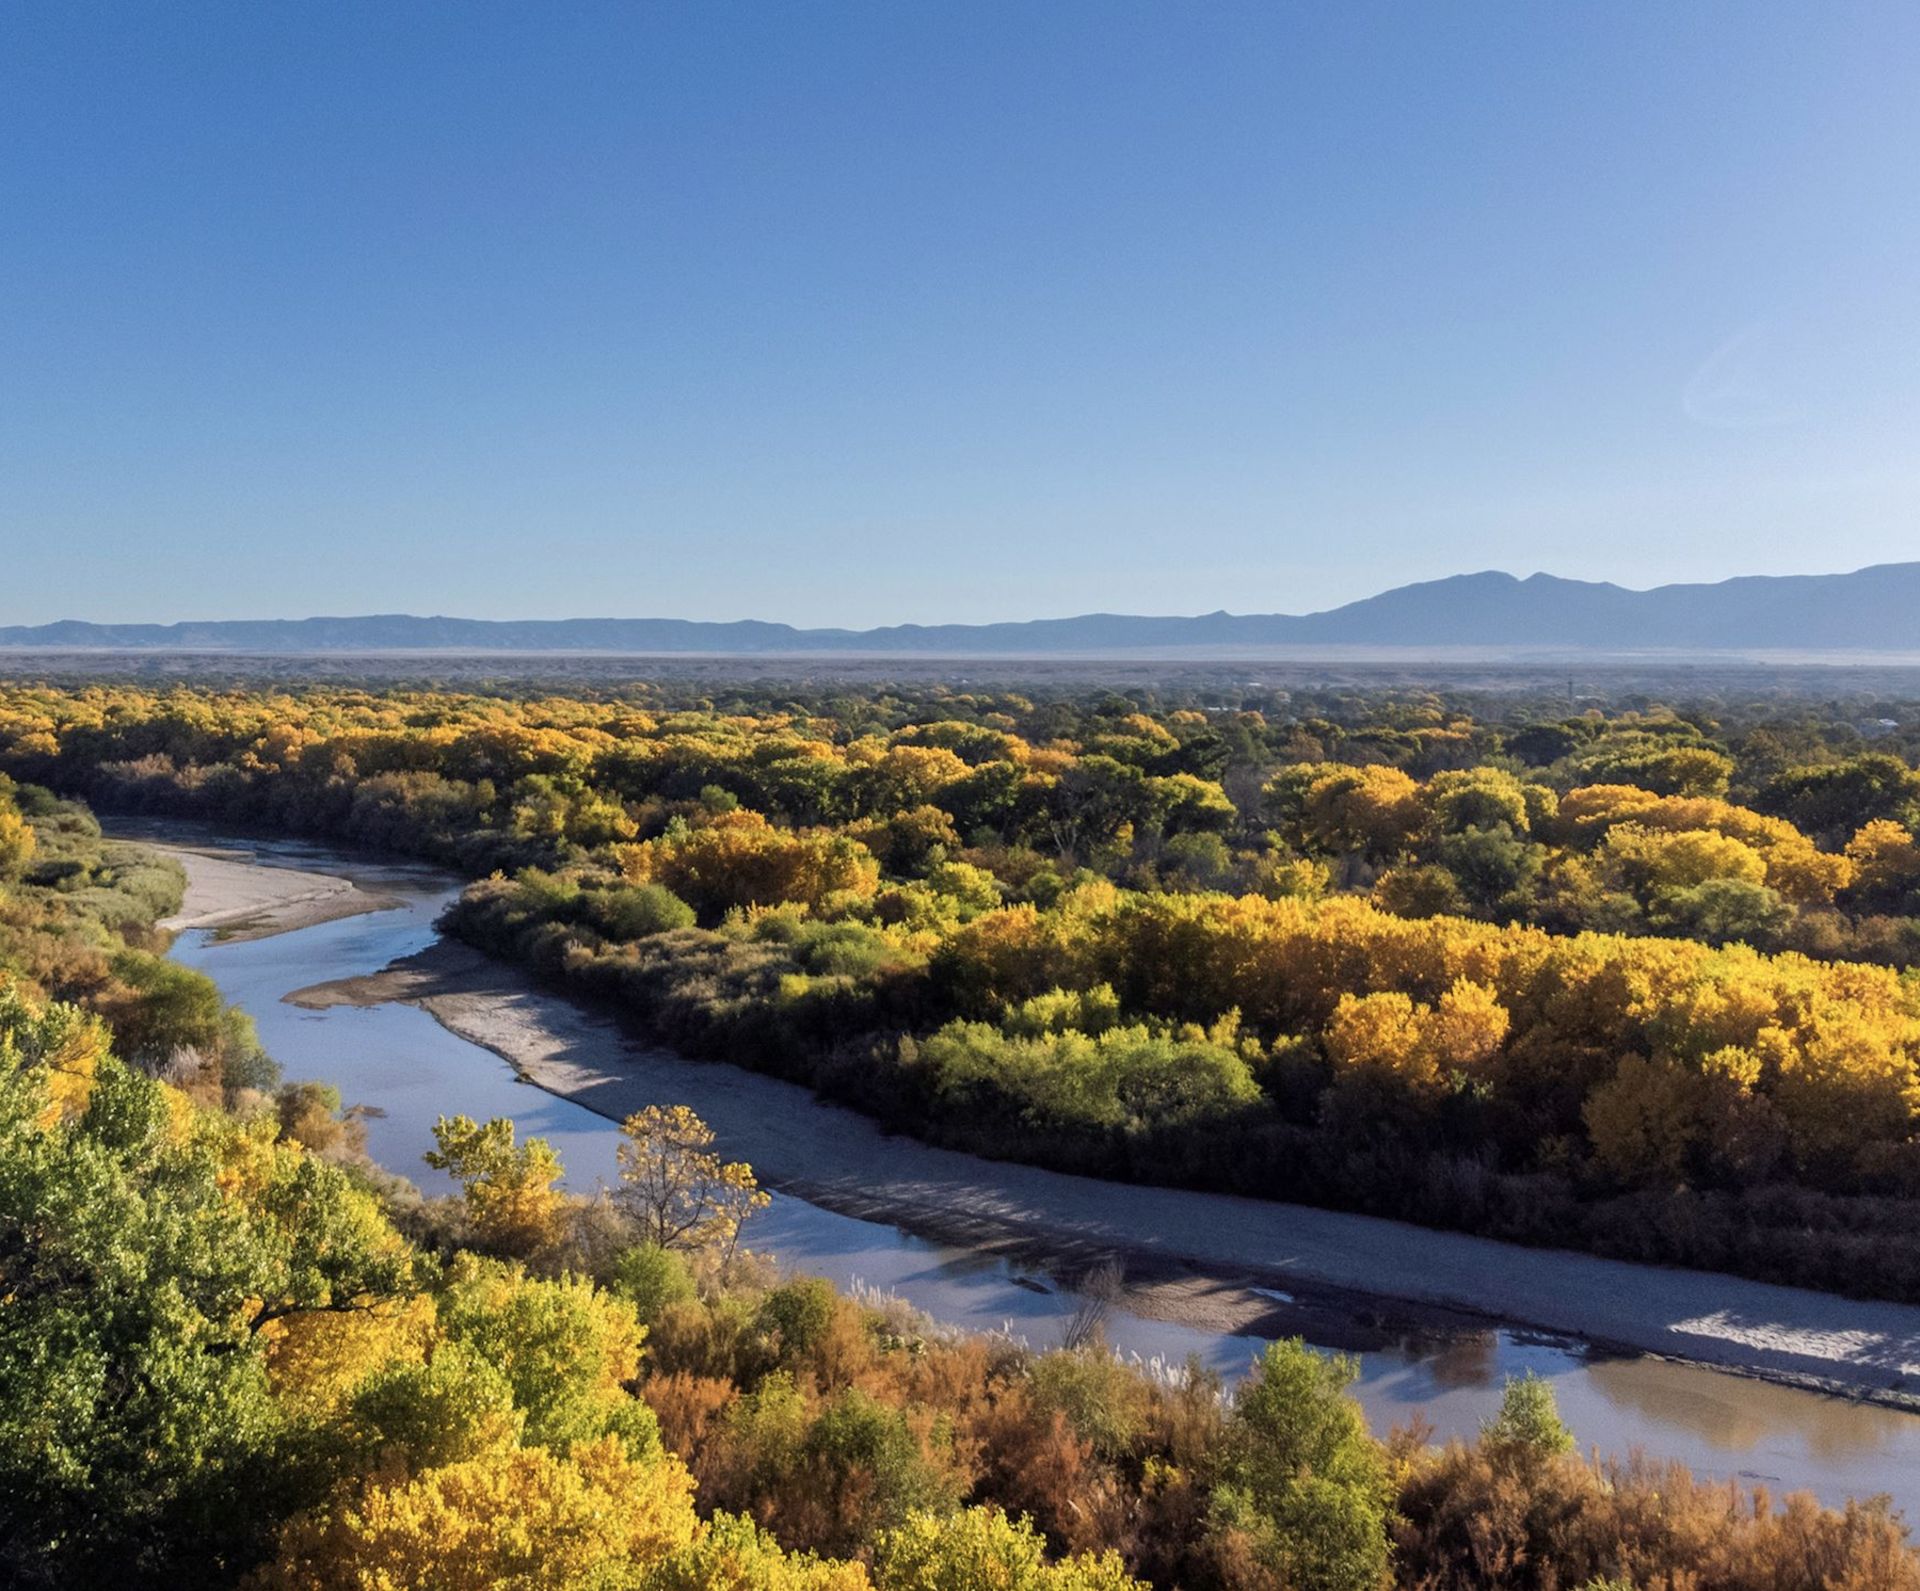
<point>234,1352</point>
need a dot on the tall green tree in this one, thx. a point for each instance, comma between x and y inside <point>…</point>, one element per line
<point>1304,1488</point>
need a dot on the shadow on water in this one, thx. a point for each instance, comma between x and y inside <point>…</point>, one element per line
<point>408,1070</point>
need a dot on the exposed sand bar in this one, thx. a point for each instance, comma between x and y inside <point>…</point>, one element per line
<point>1199,1255</point>
<point>230,891</point>
<point>1193,1256</point>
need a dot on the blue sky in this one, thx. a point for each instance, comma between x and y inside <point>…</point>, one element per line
<point>855,314</point>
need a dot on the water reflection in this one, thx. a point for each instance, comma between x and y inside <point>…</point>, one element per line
<point>1471,1359</point>
<point>411,1070</point>
<point>1740,1415</point>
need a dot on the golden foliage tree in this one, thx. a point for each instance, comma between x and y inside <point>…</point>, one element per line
<point>17,842</point>
<point>982,1547</point>
<point>509,1189</point>
<point>740,859</point>
<point>682,1194</point>
<point>522,1519</point>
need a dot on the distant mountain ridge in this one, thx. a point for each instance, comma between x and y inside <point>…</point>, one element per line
<point>1875,609</point>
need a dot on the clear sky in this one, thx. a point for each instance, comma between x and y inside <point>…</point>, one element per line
<point>858,313</point>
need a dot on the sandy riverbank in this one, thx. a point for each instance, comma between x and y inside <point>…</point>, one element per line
<point>231,891</point>
<point>1196,1257</point>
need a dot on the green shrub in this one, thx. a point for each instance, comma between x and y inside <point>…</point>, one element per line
<point>650,1278</point>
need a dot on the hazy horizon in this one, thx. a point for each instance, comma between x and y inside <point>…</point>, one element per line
<point>776,619</point>
<point>866,315</point>
<point>1465,613</point>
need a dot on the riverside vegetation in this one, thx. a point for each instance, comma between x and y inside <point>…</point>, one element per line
<point>234,1353</point>
<point>1638,980</point>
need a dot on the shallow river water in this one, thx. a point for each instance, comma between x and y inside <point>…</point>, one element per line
<point>406,1069</point>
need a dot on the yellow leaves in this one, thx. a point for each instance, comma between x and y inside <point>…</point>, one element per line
<point>510,1191</point>
<point>740,859</point>
<point>282,744</point>
<point>1050,761</point>
<point>73,1066</point>
<point>1739,1068</point>
<point>1826,1089</point>
<point>519,1215</point>
<point>1468,1026</point>
<point>17,840</point>
<point>62,1042</point>
<point>1291,877</point>
<point>1789,862</point>
<point>732,1553</point>
<point>1843,1084</point>
<point>567,1349</point>
<point>315,1359</point>
<point>1652,859</point>
<point>982,1549</point>
<point>519,1520</point>
<point>1885,858</point>
<point>1804,874</point>
<point>183,1116</point>
<point>683,1195</point>
<point>992,961</point>
<point>250,1153</point>
<point>1148,729</point>
<point>1644,1122</point>
<point>1586,813</point>
<point>1420,1043</point>
<point>911,774</point>
<point>1691,1019</point>
<point>30,742</point>
<point>1381,1031</point>
<point>1829,1045</point>
<point>1374,810</point>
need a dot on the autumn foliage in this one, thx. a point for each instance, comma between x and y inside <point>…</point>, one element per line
<point>1628,980</point>
<point>232,1353</point>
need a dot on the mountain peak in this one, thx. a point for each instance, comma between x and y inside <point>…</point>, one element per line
<point>1876,609</point>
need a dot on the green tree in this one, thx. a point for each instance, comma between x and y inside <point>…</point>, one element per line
<point>862,1453</point>
<point>452,1408</point>
<point>1528,1423</point>
<point>650,1278</point>
<point>1721,911</point>
<point>635,911</point>
<point>567,1350</point>
<point>172,1008</point>
<point>1491,866</point>
<point>1302,1483</point>
<point>1831,802</point>
<point>140,1258</point>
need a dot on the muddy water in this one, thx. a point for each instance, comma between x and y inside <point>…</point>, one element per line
<point>407,1070</point>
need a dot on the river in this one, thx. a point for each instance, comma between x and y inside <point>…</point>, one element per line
<point>405,1069</point>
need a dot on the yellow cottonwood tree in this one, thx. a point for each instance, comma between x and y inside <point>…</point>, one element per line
<point>509,1191</point>
<point>17,841</point>
<point>63,1041</point>
<point>1418,1042</point>
<point>522,1519</point>
<point>682,1194</point>
<point>1645,1120</point>
<point>740,859</point>
<point>732,1553</point>
<point>982,1547</point>
<point>1886,860</point>
<point>315,1360</point>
